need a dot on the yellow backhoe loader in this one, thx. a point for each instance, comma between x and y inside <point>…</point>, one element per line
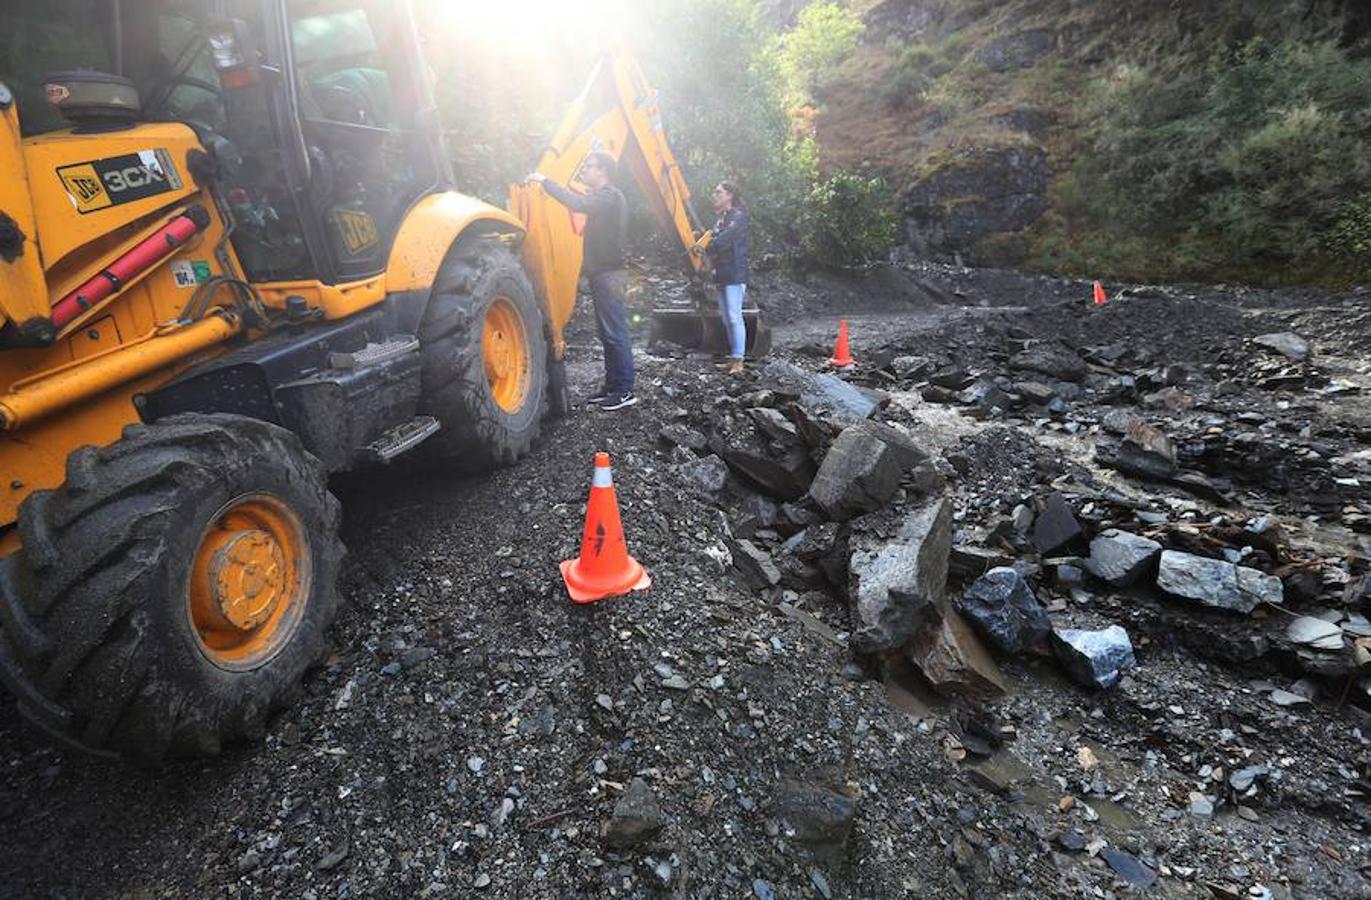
<point>233,262</point>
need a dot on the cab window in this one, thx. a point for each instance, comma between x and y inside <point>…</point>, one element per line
<point>360,103</point>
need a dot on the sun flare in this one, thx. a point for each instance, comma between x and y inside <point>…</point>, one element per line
<point>538,21</point>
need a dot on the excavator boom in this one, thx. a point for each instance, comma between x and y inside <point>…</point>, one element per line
<point>616,113</point>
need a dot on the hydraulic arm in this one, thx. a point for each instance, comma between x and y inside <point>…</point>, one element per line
<point>616,113</point>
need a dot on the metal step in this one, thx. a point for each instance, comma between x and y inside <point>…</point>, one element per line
<point>374,354</point>
<point>402,438</point>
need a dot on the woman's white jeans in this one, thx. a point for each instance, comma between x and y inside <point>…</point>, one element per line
<point>731,310</point>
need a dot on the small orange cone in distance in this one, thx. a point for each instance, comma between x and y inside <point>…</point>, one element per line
<point>842,353</point>
<point>1100,297</point>
<point>604,568</point>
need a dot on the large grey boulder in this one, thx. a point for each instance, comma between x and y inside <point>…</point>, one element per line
<point>778,468</point>
<point>893,584</point>
<point>1094,658</point>
<point>1120,558</point>
<point>1216,583</point>
<point>1003,608</point>
<point>907,452</point>
<point>860,474</point>
<point>822,394</point>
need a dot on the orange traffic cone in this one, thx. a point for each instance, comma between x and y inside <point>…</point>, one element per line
<point>1100,297</point>
<point>604,568</point>
<point>842,354</point>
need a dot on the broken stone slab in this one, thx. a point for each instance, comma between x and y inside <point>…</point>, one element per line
<point>1053,361</point>
<point>816,433</point>
<point>1286,343</point>
<point>820,392</point>
<point>1119,558</point>
<point>1118,421</point>
<point>907,452</point>
<point>819,815</point>
<point>1005,611</point>
<point>1316,633</point>
<point>954,660</point>
<point>1129,868</point>
<point>775,426</point>
<point>709,474</point>
<point>892,584</point>
<point>1216,583</point>
<point>754,565</point>
<point>860,474</point>
<point>1056,525</point>
<point>973,562</point>
<point>678,435</point>
<point>1094,658</point>
<point>1146,452</point>
<point>911,366</point>
<point>1035,392</point>
<point>637,817</point>
<point>782,470</point>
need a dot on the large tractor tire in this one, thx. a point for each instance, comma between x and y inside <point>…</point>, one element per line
<point>485,356</point>
<point>175,589</point>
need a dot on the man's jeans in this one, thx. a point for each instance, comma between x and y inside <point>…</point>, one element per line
<point>731,311</point>
<point>611,320</point>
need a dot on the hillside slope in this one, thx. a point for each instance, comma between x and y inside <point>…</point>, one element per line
<point>1141,139</point>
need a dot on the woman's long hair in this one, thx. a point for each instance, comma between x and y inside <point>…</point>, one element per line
<point>734,193</point>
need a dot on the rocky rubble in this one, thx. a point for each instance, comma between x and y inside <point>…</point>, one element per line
<point>964,675</point>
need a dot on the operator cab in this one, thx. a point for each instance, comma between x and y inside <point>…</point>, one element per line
<point>316,171</point>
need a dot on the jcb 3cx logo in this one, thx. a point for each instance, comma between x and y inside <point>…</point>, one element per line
<point>103,183</point>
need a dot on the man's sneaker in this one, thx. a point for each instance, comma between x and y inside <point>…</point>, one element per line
<point>619,401</point>
<point>598,397</point>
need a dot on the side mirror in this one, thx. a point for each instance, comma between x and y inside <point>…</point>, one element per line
<point>234,53</point>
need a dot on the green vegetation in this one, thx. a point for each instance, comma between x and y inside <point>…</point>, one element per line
<point>825,34</point>
<point>1261,154</point>
<point>848,221</point>
<point>917,67</point>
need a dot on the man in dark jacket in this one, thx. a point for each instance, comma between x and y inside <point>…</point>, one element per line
<point>606,229</point>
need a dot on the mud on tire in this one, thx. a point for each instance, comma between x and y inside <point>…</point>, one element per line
<point>478,434</point>
<point>102,583</point>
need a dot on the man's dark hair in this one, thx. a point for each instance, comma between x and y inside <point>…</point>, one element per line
<point>604,162</point>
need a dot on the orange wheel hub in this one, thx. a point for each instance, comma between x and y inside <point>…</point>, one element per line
<point>504,353</point>
<point>249,582</point>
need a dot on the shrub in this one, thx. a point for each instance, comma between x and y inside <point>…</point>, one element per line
<point>824,35</point>
<point>849,220</point>
<point>1257,153</point>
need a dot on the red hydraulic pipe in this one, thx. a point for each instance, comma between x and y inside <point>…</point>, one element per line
<point>147,254</point>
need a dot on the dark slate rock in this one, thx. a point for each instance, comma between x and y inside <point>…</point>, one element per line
<point>1056,525</point>
<point>1120,558</point>
<point>755,565</point>
<point>709,474</point>
<point>1094,658</point>
<point>1216,583</point>
<point>892,583</point>
<point>860,474</point>
<point>1129,868</point>
<point>1002,607</point>
<point>1053,361</point>
<point>637,817</point>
